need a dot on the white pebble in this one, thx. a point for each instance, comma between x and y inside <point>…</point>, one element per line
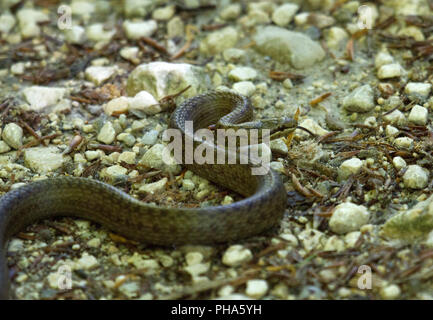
<point>399,163</point>
<point>107,133</point>
<point>236,255</point>
<point>349,167</point>
<point>418,115</point>
<point>391,70</point>
<point>348,217</point>
<point>256,288</point>
<point>13,135</point>
<point>415,177</point>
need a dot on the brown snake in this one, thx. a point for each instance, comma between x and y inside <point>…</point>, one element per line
<point>262,208</point>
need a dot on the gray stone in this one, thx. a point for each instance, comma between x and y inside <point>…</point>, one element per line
<point>43,159</point>
<point>360,100</point>
<point>13,135</point>
<point>288,47</point>
<point>218,41</point>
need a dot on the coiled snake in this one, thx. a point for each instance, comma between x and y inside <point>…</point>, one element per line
<point>261,209</point>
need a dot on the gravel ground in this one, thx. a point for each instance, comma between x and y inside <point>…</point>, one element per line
<point>91,96</point>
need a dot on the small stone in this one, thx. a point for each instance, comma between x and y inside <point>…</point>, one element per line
<point>277,166</point>
<point>391,131</point>
<point>18,68</point>
<point>138,8</point>
<point>412,32</point>
<point>245,88</point>
<point>418,90</point>
<point>164,13</point>
<point>415,177</point>
<point>233,54</point>
<point>235,255</point>
<point>218,41</point>
<point>127,156</point>
<point>279,146</point>
<point>396,117</point>
<point>349,167</point>
<point>336,37</point>
<point>390,292</point>
<point>175,28</point>
<point>284,14</point>
<point>288,47</point>
<point>256,288</point>
<point>399,163</point>
<point>86,262</point>
<point>383,58</point>
<point>360,100</point>
<point>40,97</point>
<point>144,101</point>
<point>348,217</point>
<point>188,185</point>
<point>92,155</point>
<point>161,79</point>
<point>116,105</point>
<point>311,125</point>
<point>156,158</point>
<point>97,33</point>
<point>404,142</point>
<point>231,11</point>
<point>154,187</point>
<point>4,147</point>
<point>193,258</point>
<point>243,74</point>
<point>113,172</point>
<point>391,70</point>
<point>107,133</point>
<point>418,115</point>
<point>137,29</point>
<point>140,263</point>
<point>130,289</point>
<point>227,200</point>
<point>99,74</point>
<point>126,138</point>
<point>94,243</point>
<point>28,20</point>
<point>130,54</point>
<point>13,135</point>
<point>16,245</point>
<point>75,35</point>
<point>7,22</point>
<point>150,137</point>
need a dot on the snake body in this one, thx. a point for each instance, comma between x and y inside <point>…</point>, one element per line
<point>261,209</point>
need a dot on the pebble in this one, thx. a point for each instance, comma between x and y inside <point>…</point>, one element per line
<point>163,78</point>
<point>415,177</point>
<point>40,97</point>
<point>175,28</point>
<point>99,74</point>
<point>245,88</point>
<point>233,54</point>
<point>150,137</point>
<point>164,13</point>
<point>92,154</point>
<point>311,125</point>
<point>349,167</point>
<point>135,30</point>
<point>130,289</point>
<point>145,102</point>
<point>188,185</point>
<point>418,90</point>
<point>404,142</point>
<point>107,134</point>
<point>390,292</point>
<point>288,47</point>
<point>126,138</point>
<point>154,187</point>
<point>336,37</point>
<point>243,74</point>
<point>86,262</point>
<point>153,158</point>
<point>4,147</point>
<point>388,71</point>
<point>138,8</point>
<point>284,14</point>
<point>235,255</point>
<point>396,117</point>
<point>7,22</point>
<point>348,217</point>
<point>218,41</point>
<point>116,105</point>
<point>418,115</point>
<point>94,243</point>
<point>391,131</point>
<point>28,20</point>
<point>75,35</point>
<point>383,58</point>
<point>127,156</point>
<point>113,172</point>
<point>130,54</point>
<point>399,163</point>
<point>13,135</point>
<point>231,11</point>
<point>360,100</point>
<point>279,146</point>
<point>256,288</point>
<point>312,239</point>
<point>97,33</point>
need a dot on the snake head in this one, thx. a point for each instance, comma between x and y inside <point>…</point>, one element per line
<point>282,127</point>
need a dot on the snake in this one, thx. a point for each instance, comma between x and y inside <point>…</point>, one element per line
<point>261,208</point>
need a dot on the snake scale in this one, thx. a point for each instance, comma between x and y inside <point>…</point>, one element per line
<point>261,209</point>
